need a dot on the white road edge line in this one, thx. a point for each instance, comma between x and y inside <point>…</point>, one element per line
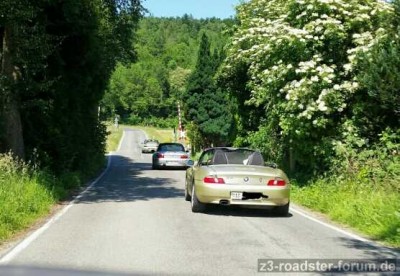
<point>28,240</point>
<point>25,243</point>
<point>354,236</point>
<point>349,234</point>
<point>120,141</point>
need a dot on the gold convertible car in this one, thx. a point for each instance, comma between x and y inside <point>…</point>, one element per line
<point>236,176</point>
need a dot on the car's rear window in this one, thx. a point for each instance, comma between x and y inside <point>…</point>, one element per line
<point>237,156</point>
<point>171,147</point>
<point>151,144</point>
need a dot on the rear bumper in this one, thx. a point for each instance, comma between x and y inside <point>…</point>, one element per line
<point>171,163</point>
<point>148,150</point>
<point>271,196</point>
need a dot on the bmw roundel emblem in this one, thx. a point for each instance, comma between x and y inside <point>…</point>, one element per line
<point>246,179</point>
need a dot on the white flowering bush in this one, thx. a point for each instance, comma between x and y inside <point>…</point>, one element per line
<point>301,57</point>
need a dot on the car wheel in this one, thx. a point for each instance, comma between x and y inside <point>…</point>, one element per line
<point>187,196</point>
<point>282,211</point>
<point>197,206</point>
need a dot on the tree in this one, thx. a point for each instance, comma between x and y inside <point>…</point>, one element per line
<point>21,34</point>
<point>205,105</point>
<point>178,79</point>
<point>299,59</point>
<point>167,54</point>
<point>377,105</point>
<point>57,58</point>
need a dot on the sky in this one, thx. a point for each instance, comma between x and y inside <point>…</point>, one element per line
<point>197,8</point>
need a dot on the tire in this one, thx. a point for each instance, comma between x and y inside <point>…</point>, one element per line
<point>197,206</point>
<point>187,196</point>
<point>282,211</point>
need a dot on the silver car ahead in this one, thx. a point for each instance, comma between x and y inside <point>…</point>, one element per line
<point>170,155</point>
<point>150,146</point>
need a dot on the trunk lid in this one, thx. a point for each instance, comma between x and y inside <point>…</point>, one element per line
<point>175,155</point>
<point>246,175</point>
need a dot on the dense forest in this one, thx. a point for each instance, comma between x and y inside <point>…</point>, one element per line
<point>56,59</point>
<point>302,83</point>
<point>147,91</point>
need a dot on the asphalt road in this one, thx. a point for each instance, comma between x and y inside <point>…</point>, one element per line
<point>135,220</point>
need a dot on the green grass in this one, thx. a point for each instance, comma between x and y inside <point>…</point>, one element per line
<point>115,135</point>
<point>162,135</point>
<point>196,156</point>
<point>369,208</point>
<point>25,196</point>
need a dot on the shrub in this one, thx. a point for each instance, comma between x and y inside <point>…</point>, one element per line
<point>363,187</point>
<point>25,194</point>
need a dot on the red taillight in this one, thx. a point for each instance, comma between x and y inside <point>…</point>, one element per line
<point>213,180</point>
<point>276,182</point>
<point>160,155</point>
<point>184,157</point>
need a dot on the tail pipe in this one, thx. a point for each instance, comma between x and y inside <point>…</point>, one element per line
<point>224,202</point>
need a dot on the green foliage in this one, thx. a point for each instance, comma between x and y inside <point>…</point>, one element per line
<point>114,136</point>
<point>302,63</point>
<point>378,107</point>
<point>362,191</point>
<point>60,56</point>
<point>316,85</point>
<point>167,49</point>
<point>64,53</point>
<point>25,195</point>
<point>373,211</point>
<point>151,121</point>
<point>377,165</point>
<point>134,90</point>
<point>206,105</point>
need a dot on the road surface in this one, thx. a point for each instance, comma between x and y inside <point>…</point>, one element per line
<point>135,220</point>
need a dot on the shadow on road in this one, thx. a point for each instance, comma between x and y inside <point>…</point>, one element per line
<point>128,181</point>
<point>380,255</point>
<point>370,249</point>
<point>237,211</point>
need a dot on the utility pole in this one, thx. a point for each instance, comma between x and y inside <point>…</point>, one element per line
<point>180,121</point>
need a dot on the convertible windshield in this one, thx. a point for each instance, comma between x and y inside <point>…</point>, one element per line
<point>238,156</point>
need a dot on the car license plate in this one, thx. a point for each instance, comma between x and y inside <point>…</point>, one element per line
<point>236,195</point>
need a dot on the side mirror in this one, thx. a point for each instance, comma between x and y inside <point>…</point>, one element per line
<point>190,163</point>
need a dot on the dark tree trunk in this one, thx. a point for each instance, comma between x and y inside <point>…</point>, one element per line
<point>13,137</point>
<point>292,160</point>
